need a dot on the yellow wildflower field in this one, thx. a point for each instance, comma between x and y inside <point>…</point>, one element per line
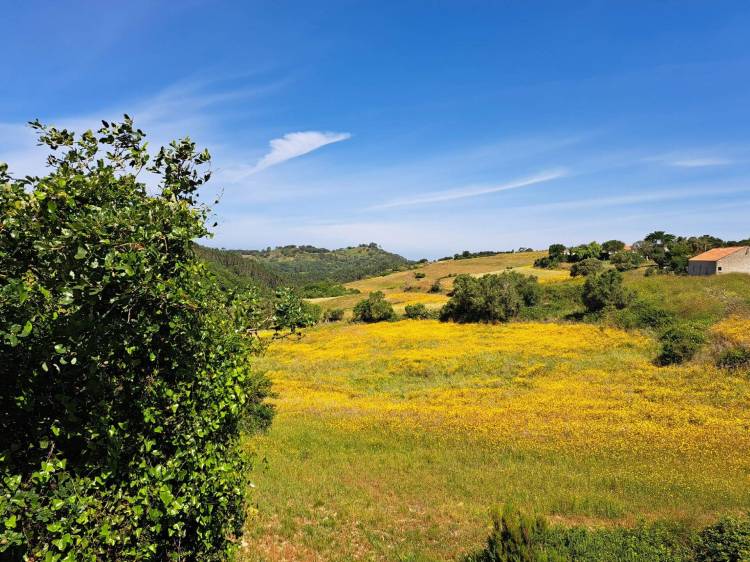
<point>394,440</point>
<point>734,331</point>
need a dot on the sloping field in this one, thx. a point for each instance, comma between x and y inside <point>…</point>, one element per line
<point>404,287</point>
<point>394,440</point>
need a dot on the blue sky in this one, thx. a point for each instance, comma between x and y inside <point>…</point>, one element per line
<point>428,127</point>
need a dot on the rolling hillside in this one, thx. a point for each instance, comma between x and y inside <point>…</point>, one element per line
<point>302,265</point>
<point>410,287</point>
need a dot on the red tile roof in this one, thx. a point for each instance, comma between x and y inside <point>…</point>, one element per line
<point>717,253</point>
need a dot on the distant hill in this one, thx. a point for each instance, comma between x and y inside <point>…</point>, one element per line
<point>302,265</point>
<point>234,271</point>
<point>299,266</point>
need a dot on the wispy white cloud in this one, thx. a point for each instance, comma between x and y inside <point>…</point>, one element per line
<point>470,191</point>
<point>692,159</point>
<point>296,144</point>
<point>651,196</point>
<point>700,162</point>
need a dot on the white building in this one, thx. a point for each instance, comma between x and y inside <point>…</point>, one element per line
<point>721,260</point>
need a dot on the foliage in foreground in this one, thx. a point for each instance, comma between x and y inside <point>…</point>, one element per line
<point>491,298</point>
<point>124,377</point>
<point>518,538</point>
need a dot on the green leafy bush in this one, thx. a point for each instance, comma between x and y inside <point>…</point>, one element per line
<point>491,298</point>
<point>419,275</point>
<point>680,342</point>
<point>518,538</point>
<point>333,315</point>
<point>547,262</point>
<point>124,368</point>
<point>736,359</point>
<point>586,267</point>
<point>417,312</point>
<point>605,290</point>
<point>643,314</point>
<point>373,309</point>
<point>625,261</point>
<point>726,541</point>
<point>436,287</point>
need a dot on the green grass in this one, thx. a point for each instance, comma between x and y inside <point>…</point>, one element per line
<point>698,299</point>
<point>396,441</point>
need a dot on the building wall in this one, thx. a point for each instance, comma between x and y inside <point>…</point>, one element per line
<point>701,267</point>
<point>738,262</point>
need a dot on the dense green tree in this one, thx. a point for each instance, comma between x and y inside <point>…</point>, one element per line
<point>605,290</point>
<point>490,298</point>
<point>124,369</point>
<point>373,309</point>
<point>417,311</point>
<point>624,261</point>
<point>586,267</point>
<point>557,251</point>
<point>612,247</point>
<point>584,251</point>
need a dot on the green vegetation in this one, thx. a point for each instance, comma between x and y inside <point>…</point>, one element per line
<point>373,309</point>
<point>323,289</point>
<point>605,290</point>
<point>625,261</point>
<point>518,538</point>
<point>308,264</point>
<point>490,298</point>
<point>586,267</point>
<point>680,342</point>
<point>468,255</point>
<point>333,315</point>
<point>417,311</point>
<point>124,369</point>
<point>235,272</point>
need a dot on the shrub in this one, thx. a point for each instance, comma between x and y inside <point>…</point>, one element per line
<point>124,369</point>
<point>726,541</point>
<point>736,358</point>
<point>419,275</point>
<point>333,315</point>
<point>518,538</point>
<point>643,314</point>
<point>605,290</point>
<point>586,267</point>
<point>417,311</point>
<point>436,287</point>
<point>547,262</point>
<point>625,261</point>
<point>679,343</point>
<point>491,298</point>
<point>373,309</point>
<point>291,312</point>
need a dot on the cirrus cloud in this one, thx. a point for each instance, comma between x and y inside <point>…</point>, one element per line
<point>296,144</point>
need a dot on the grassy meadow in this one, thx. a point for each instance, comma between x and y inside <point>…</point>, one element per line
<point>393,441</point>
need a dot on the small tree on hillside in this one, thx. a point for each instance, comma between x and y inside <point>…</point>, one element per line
<point>586,267</point>
<point>624,261</point>
<point>612,247</point>
<point>373,309</point>
<point>605,290</point>
<point>491,298</point>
